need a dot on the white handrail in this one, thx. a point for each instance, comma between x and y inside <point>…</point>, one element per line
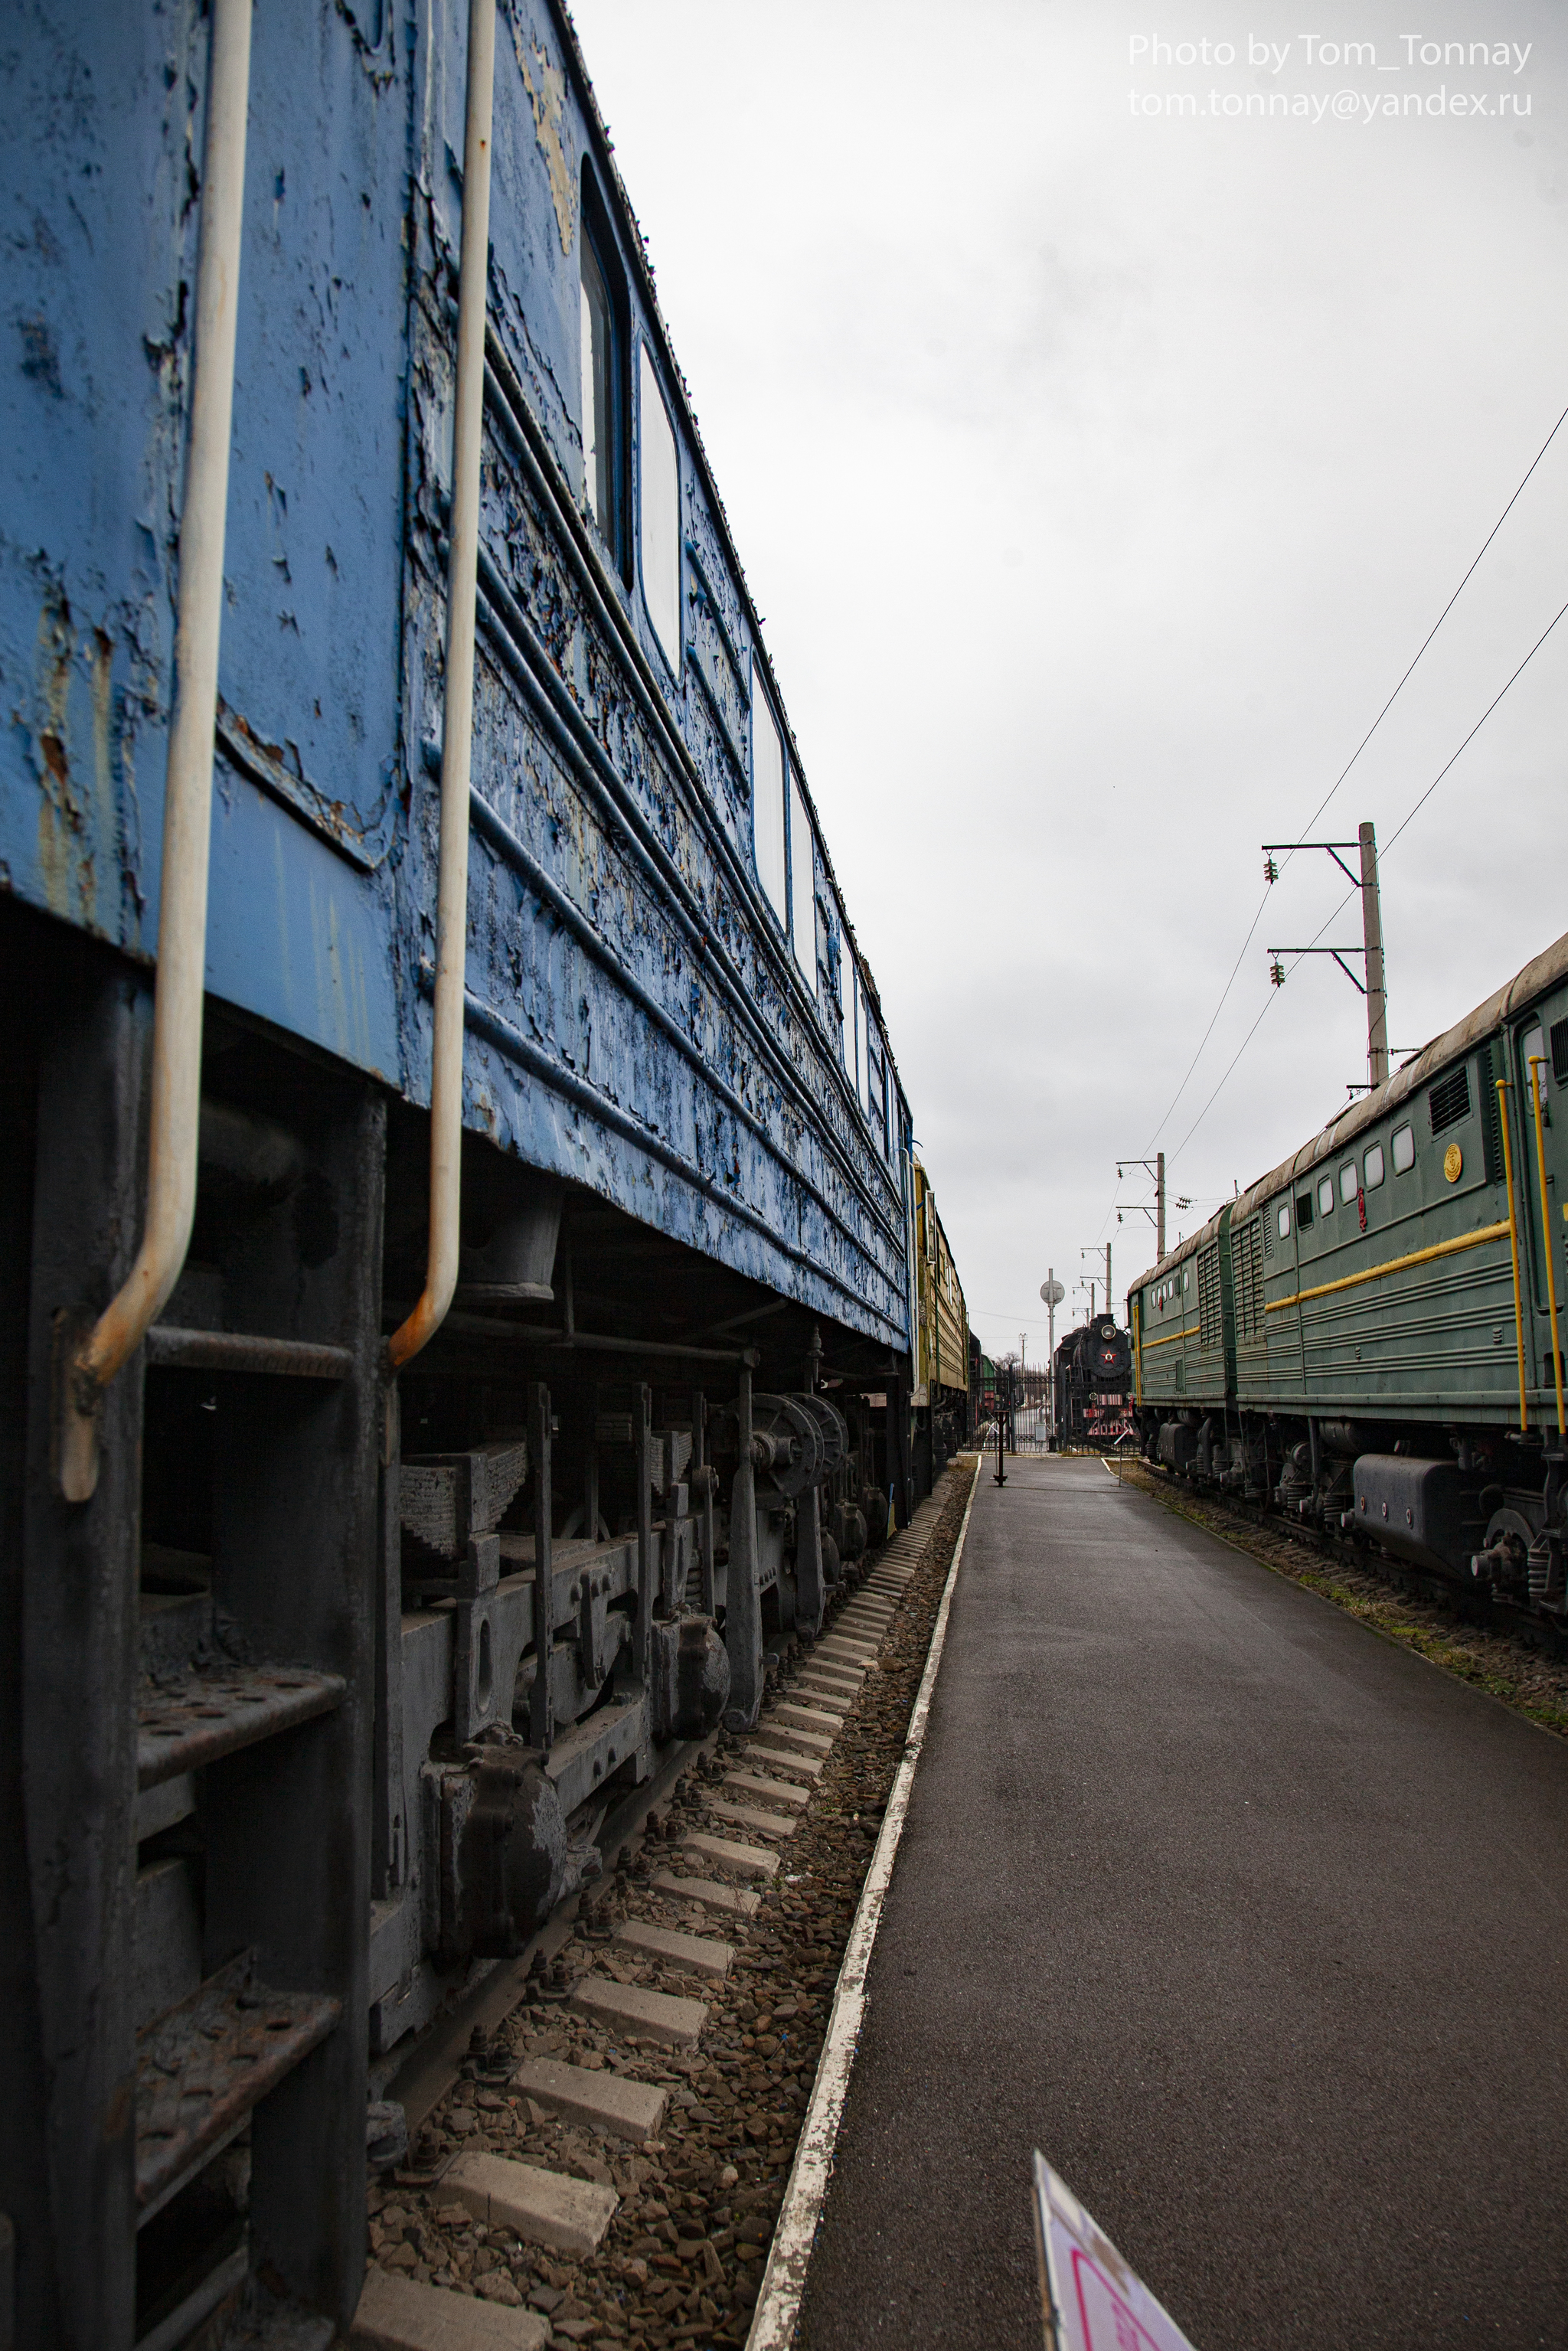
<point>457,724</point>
<point>188,788</point>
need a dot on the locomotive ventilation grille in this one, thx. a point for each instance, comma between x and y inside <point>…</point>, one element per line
<point>1247,1268</point>
<point>1208,1316</point>
<point>1449,1100</point>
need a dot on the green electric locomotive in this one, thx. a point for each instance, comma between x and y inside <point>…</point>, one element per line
<point>1369,1338</point>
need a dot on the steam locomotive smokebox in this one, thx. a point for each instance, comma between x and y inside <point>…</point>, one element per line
<point>1178,1443</point>
<point>1415,1509</point>
<point>688,1673</point>
<point>502,1843</point>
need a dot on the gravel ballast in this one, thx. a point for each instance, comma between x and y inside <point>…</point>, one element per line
<point>683,2255</point>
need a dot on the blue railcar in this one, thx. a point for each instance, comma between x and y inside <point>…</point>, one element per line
<point>342,1611</point>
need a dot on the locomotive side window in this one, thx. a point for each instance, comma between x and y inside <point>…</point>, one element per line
<point>1348,1186</point>
<point>1372,1167</point>
<point>1560,1051</point>
<point>802,884</point>
<point>1283,1220</point>
<point>1404,1147</point>
<point>1325,1197</point>
<point>768,801</point>
<point>659,512</point>
<point>1534,1044</point>
<point>1303,1211</point>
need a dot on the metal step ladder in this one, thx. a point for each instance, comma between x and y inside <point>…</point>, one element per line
<point>188,1823</point>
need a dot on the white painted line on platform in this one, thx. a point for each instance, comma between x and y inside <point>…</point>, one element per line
<point>784,2280</point>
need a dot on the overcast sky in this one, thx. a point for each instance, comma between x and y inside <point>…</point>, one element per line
<point>1098,471</point>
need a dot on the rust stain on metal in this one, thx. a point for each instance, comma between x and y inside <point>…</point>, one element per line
<point>202,2067</point>
<point>548,99</point>
<point>213,1714</point>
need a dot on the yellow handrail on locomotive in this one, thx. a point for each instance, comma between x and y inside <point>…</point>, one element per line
<point>1537,1064</point>
<point>1504,1088</point>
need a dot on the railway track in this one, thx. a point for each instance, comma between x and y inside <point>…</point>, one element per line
<point>606,2148</point>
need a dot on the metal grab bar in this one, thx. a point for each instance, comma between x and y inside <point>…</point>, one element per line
<point>188,786</point>
<point>1537,1064</point>
<point>457,719</point>
<point>1504,1088</point>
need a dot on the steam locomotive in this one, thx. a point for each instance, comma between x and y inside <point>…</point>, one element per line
<point>1091,1374</point>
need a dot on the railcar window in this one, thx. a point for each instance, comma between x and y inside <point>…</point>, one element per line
<point>1534,1043</point>
<point>857,1047</point>
<point>1283,1220</point>
<point>1303,1211</point>
<point>1403,1148</point>
<point>768,801</point>
<point>1326,1196</point>
<point>802,884</point>
<point>1348,1186</point>
<point>1372,1167</point>
<point>659,508</point>
<point>1560,1051</point>
<point>598,401</point>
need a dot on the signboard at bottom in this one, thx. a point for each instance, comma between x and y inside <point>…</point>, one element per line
<point>1091,2299</point>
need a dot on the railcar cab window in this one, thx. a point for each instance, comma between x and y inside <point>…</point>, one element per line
<point>658,511</point>
<point>1372,1167</point>
<point>1404,1150</point>
<point>1282,1221</point>
<point>1348,1183</point>
<point>1325,1197</point>
<point>1532,1048</point>
<point>601,311</point>
<point>768,801</point>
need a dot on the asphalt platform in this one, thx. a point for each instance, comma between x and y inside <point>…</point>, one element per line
<point>1254,1924</point>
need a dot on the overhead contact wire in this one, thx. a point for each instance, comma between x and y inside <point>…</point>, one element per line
<point>1350,763</point>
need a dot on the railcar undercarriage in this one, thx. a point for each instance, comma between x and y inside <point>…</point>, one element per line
<point>1479,1512</point>
<point>293,1747</point>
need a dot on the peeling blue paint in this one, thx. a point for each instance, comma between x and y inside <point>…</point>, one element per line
<point>637,1022</point>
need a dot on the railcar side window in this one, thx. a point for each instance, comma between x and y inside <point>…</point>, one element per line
<point>600,400</point>
<point>802,884</point>
<point>857,1034</point>
<point>1372,1167</point>
<point>659,508</point>
<point>1534,1045</point>
<point>1303,1211</point>
<point>1404,1150</point>
<point>1560,1051</point>
<point>1348,1187</point>
<point>768,801</point>
<point>1283,1220</point>
<point>1326,1196</point>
